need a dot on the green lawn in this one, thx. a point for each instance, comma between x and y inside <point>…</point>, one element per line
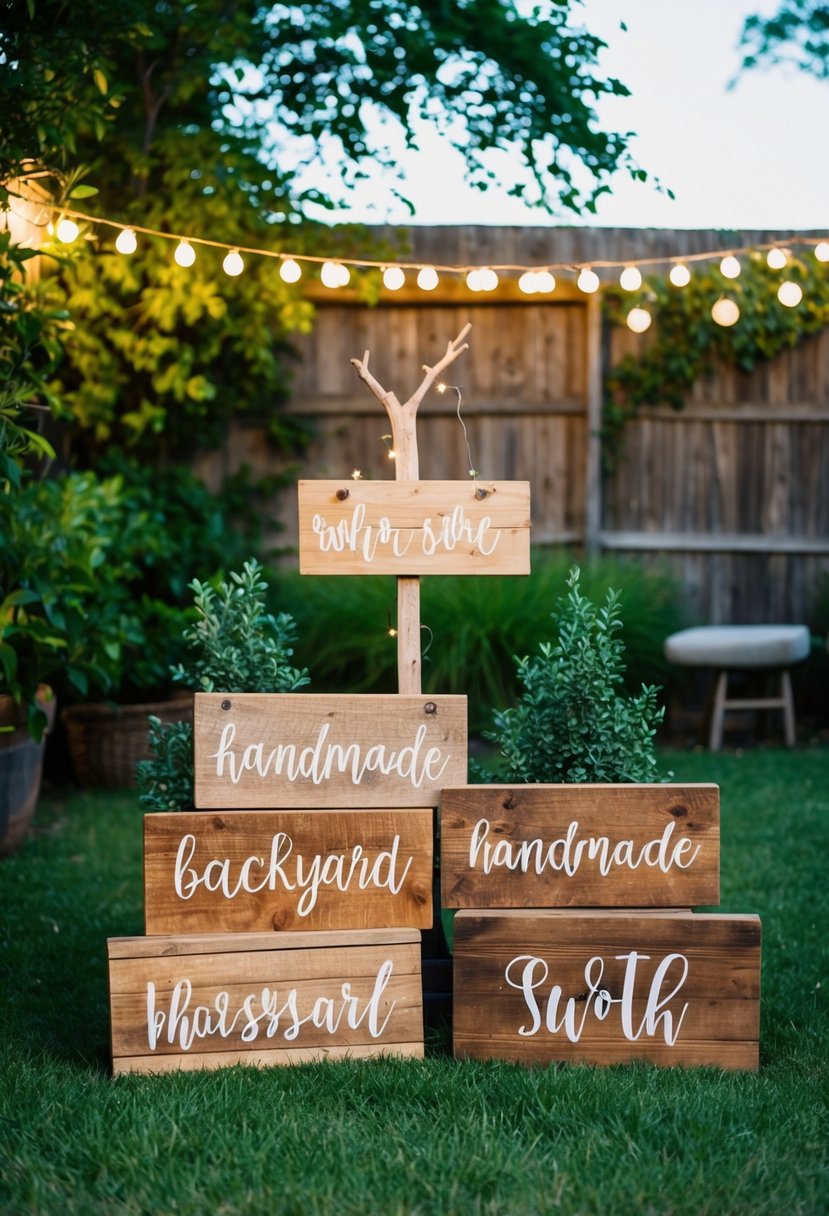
<point>411,1137</point>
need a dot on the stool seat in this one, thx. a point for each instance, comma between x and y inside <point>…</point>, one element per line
<point>729,646</point>
<point>769,648</point>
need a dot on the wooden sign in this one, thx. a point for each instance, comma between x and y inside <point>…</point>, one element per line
<point>255,750</point>
<point>414,527</point>
<point>206,1002</point>
<point>603,987</point>
<point>541,846</point>
<point>256,871</point>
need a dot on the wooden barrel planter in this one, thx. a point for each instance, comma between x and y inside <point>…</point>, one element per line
<point>107,741</point>
<point>21,768</point>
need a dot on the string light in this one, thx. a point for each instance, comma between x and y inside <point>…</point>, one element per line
<point>725,312</point>
<point>126,241</point>
<point>638,319</point>
<point>356,475</point>
<point>631,278</point>
<point>233,263</point>
<point>67,231</point>
<point>531,280</point>
<point>393,278</point>
<point>790,294</point>
<point>185,254</point>
<point>290,271</point>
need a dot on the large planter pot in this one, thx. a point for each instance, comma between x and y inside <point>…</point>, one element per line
<point>21,768</point>
<point>107,741</point>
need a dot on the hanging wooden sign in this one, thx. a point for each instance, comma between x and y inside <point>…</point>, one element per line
<point>604,987</point>
<point>541,846</point>
<point>414,527</point>
<point>260,750</point>
<point>255,871</point>
<point>205,1002</point>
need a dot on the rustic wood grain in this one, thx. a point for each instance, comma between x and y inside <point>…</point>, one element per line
<point>318,870</point>
<point>511,830</point>
<point>414,527</point>
<point>211,1001</point>
<point>714,1007</point>
<point>424,737</point>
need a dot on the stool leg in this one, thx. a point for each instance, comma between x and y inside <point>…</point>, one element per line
<point>788,707</point>
<point>718,712</point>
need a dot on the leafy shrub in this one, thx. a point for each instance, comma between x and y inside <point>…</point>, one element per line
<point>573,722</point>
<point>238,646</point>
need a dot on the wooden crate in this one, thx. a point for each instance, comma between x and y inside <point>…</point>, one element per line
<point>539,846</point>
<point>291,750</point>
<point>255,871</point>
<point>210,1001</point>
<point>414,527</point>
<point>605,987</point>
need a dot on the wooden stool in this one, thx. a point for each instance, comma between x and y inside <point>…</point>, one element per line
<point>771,648</point>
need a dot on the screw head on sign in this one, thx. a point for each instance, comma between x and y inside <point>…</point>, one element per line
<point>226,704</point>
<point>430,708</point>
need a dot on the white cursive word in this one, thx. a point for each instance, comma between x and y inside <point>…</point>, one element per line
<point>319,760</point>
<point>265,1013</point>
<point>598,1000</point>
<point>340,870</point>
<point>567,853</point>
<point>447,532</point>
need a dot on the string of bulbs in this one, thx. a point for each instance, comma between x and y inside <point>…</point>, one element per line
<point>335,273</point>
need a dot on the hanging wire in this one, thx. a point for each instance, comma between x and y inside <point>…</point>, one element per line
<point>473,472</point>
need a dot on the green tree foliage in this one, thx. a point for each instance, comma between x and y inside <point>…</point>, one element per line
<point>198,119</point>
<point>573,721</point>
<point>798,34</point>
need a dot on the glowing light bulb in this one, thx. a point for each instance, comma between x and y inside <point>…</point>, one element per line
<point>528,283</point>
<point>725,312</point>
<point>638,319</point>
<point>790,293</point>
<point>488,279</point>
<point>588,280</point>
<point>631,278</point>
<point>776,258</point>
<point>680,275</point>
<point>392,454</point>
<point>473,280</point>
<point>67,231</point>
<point>233,263</point>
<point>290,271</point>
<point>427,278</point>
<point>185,254</point>
<point>545,282</point>
<point>331,275</point>
<point>356,474</point>
<point>822,251</point>
<point>392,633</point>
<point>730,266</point>
<point>393,278</point>
<point>126,242</point>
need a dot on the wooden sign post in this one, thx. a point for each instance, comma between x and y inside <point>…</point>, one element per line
<point>403,420</point>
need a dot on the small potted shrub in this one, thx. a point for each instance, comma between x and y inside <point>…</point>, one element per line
<point>236,645</point>
<point>574,722</point>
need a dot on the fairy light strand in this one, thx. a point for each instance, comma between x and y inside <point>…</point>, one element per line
<point>819,243</point>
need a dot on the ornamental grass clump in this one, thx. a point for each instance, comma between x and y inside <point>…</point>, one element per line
<point>574,722</point>
<point>237,646</point>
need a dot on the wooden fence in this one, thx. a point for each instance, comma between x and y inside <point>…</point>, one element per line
<point>729,492</point>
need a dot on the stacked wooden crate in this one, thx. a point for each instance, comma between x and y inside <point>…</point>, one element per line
<point>576,941</point>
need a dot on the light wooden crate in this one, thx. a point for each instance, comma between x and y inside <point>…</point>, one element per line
<point>208,1001</point>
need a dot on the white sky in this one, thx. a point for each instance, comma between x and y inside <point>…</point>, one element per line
<point>754,157</point>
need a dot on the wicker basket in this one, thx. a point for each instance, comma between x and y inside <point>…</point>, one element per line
<point>107,741</point>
